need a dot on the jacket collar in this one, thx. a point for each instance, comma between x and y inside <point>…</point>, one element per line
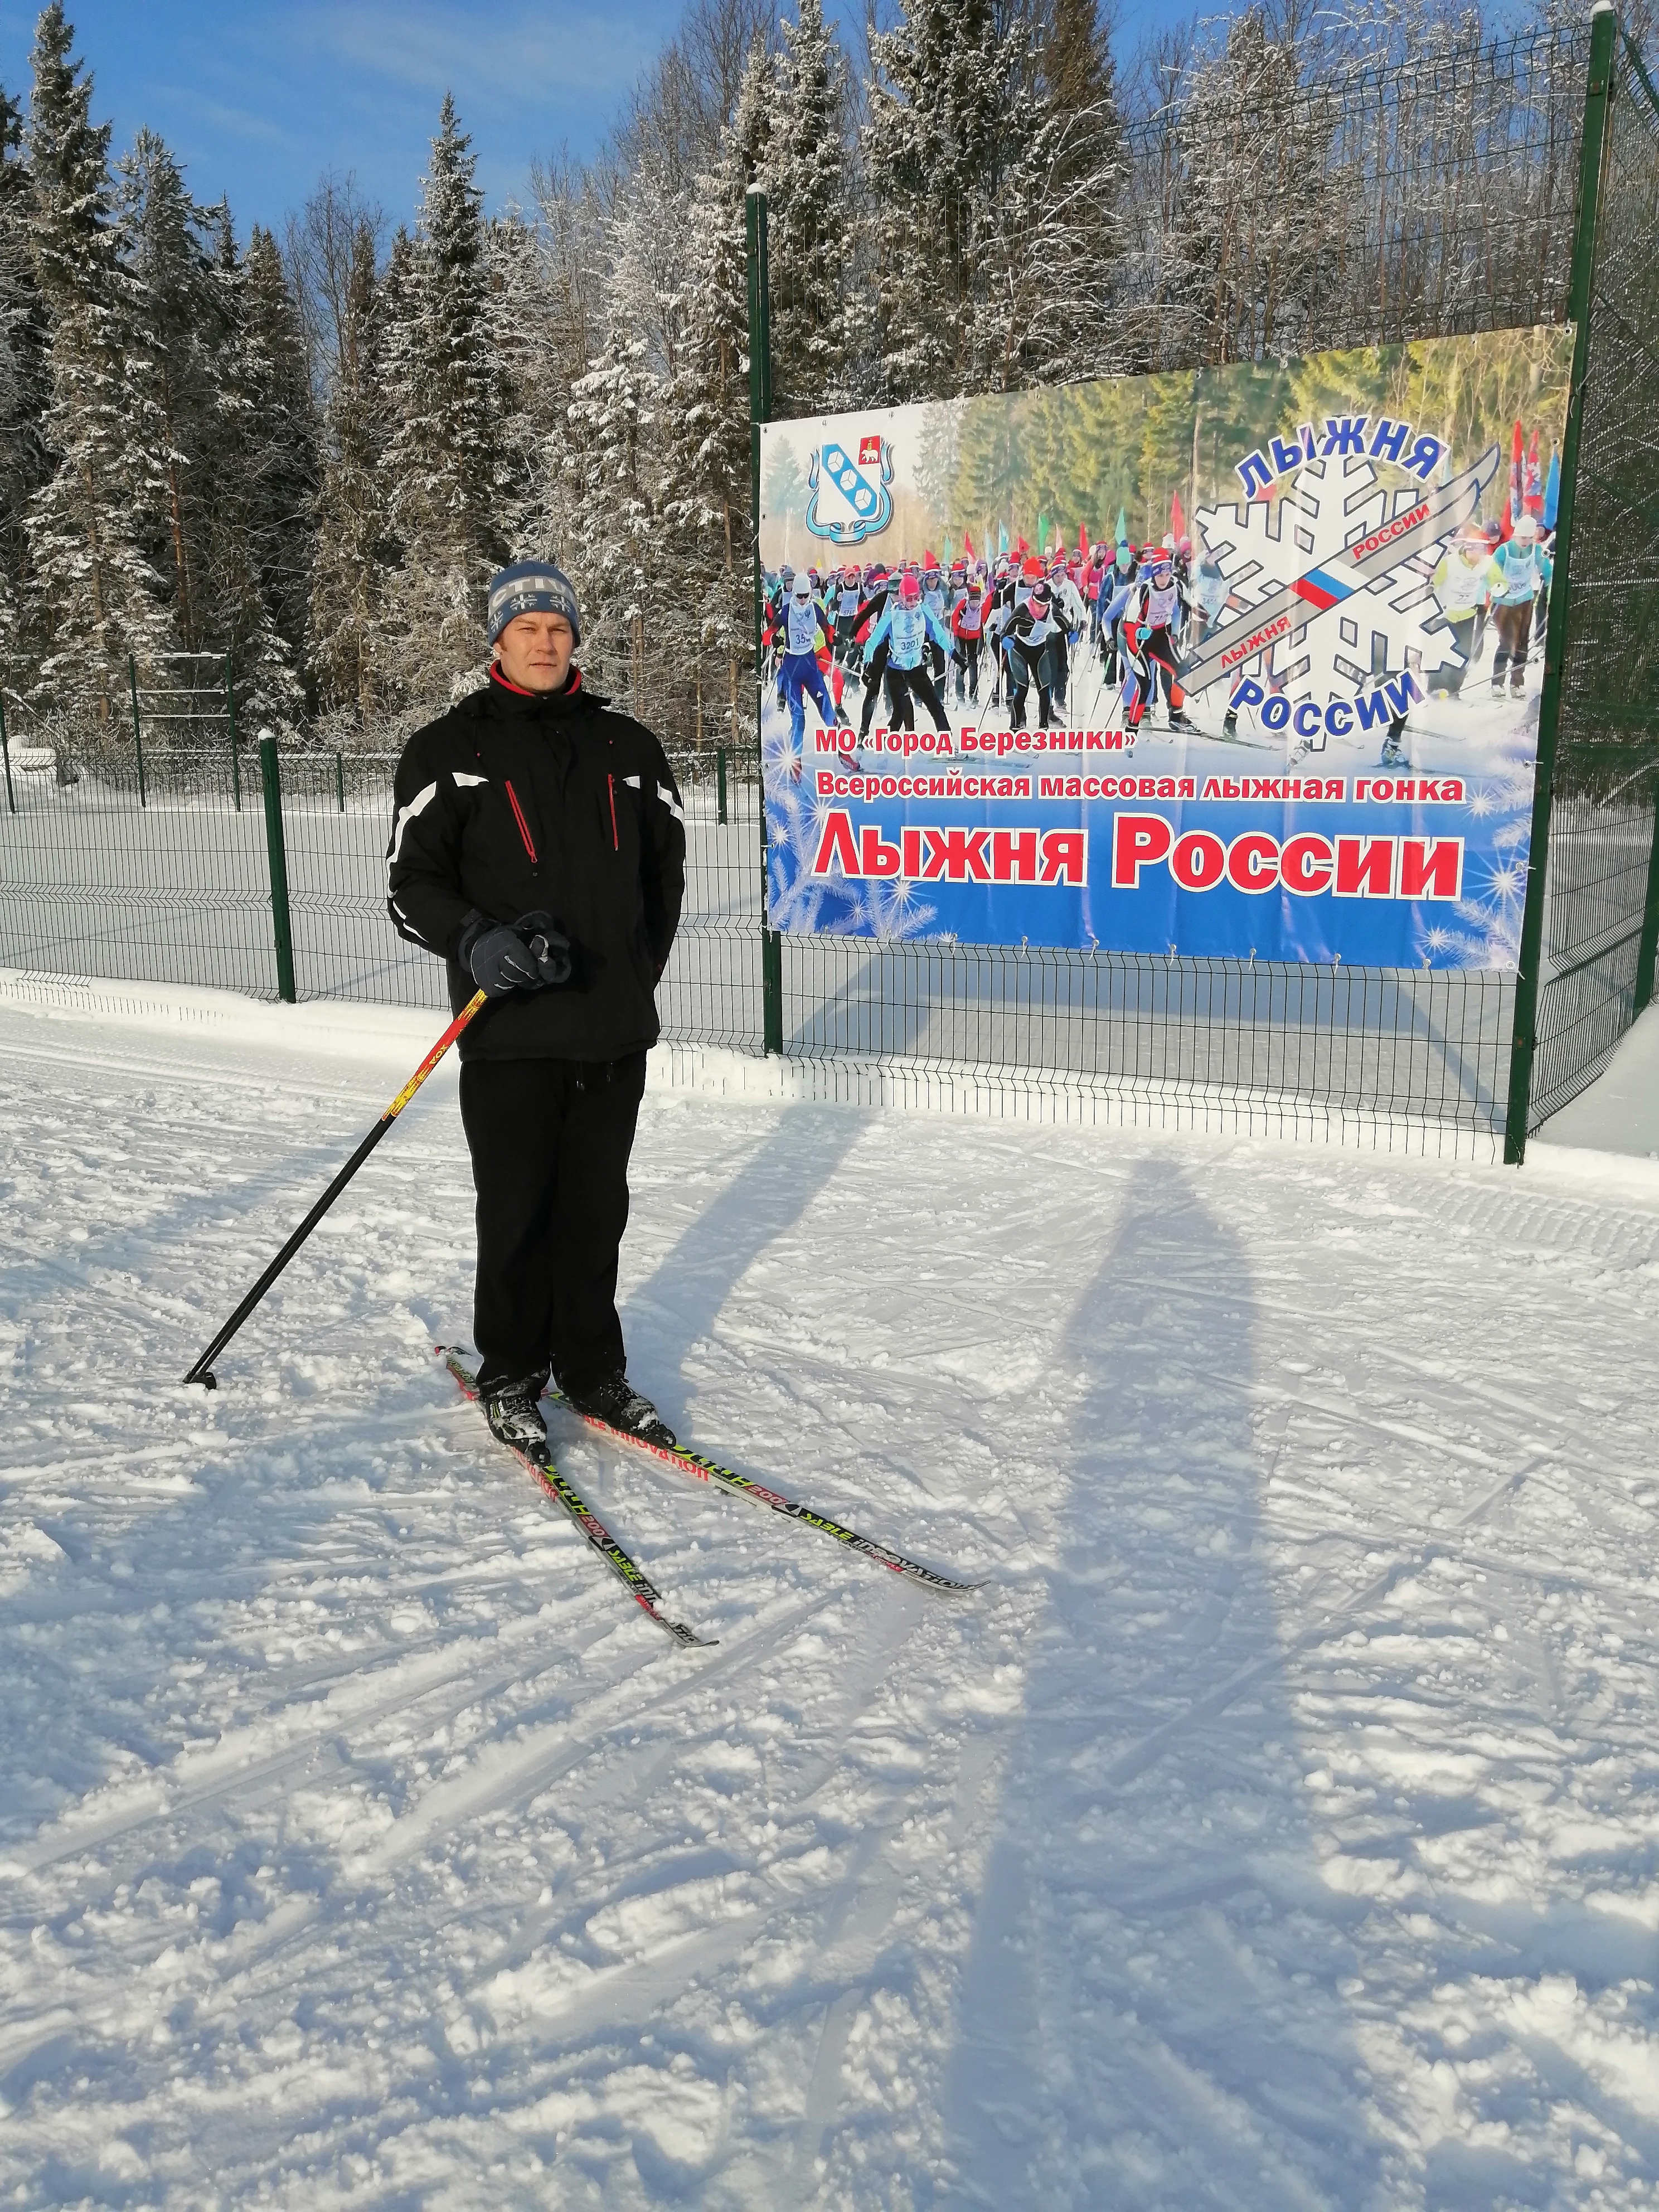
<point>515,697</point>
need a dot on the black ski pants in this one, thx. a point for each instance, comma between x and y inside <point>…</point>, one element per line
<point>1025,669</point>
<point>872,678</point>
<point>1514,627</point>
<point>550,1141</point>
<point>904,685</point>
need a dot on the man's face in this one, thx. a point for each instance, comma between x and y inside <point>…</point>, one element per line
<point>534,651</point>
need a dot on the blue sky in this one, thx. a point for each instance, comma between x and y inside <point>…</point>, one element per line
<point>258,97</point>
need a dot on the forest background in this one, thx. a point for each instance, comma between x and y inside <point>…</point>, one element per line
<point>1061,466</point>
<point>307,452</point>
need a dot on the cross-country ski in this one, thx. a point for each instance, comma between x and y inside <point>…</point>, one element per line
<point>544,1468</point>
<point>744,1485</point>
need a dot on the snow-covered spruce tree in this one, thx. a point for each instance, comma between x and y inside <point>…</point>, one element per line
<point>532,388</point>
<point>264,473</point>
<point>351,552</point>
<point>24,389</point>
<point>940,137</point>
<point>1246,238</point>
<point>165,241</point>
<point>706,503</point>
<point>1062,276</point>
<point>809,218</point>
<point>611,483</point>
<point>442,460</point>
<point>96,596</point>
<point>640,634</point>
<point>751,118</point>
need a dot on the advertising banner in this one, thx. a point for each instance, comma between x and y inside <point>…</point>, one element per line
<point>1240,661</point>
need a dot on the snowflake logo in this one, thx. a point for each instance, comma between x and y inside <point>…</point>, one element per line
<point>1389,626</point>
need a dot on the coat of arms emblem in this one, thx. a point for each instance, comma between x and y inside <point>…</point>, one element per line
<point>850,499</point>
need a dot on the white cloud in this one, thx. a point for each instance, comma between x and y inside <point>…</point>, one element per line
<point>546,56</point>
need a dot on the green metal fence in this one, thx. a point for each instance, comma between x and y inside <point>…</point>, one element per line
<point>1593,906</point>
<point>180,850</point>
<point>266,874</point>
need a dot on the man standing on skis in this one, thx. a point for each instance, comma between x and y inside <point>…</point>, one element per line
<point>538,846</point>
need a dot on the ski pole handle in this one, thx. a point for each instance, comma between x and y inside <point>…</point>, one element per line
<point>202,1372</point>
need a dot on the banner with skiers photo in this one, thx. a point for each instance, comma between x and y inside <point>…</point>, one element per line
<point>1240,661</point>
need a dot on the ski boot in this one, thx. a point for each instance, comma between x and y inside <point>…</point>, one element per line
<point>1394,752</point>
<point>1178,720</point>
<point>617,1403</point>
<point>514,1415</point>
<point>1229,724</point>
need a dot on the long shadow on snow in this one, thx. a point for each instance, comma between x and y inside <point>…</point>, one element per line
<point>1150,2014</point>
<point>680,1301</point>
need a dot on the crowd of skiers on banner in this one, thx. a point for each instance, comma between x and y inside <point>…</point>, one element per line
<point>1016,628</point>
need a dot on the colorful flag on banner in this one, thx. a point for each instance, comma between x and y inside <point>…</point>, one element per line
<point>1122,538</point>
<point>1002,538</point>
<point>1553,490</point>
<point>967,545</point>
<point>1042,532</point>
<point>1531,492</point>
<point>1512,514</point>
<point>1177,520</point>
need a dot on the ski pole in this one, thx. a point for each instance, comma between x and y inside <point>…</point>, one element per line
<point>202,1372</point>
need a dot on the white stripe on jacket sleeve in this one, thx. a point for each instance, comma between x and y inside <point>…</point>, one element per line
<point>418,805</point>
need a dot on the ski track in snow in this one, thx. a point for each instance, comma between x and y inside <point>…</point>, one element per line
<point>1279,1828</point>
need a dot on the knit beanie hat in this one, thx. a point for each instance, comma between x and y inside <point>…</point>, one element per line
<point>532,587</point>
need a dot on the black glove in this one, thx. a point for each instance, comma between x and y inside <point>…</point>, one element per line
<point>533,953</point>
<point>549,946</point>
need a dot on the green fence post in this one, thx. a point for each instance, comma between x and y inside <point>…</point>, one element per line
<point>720,784</point>
<point>339,779</point>
<point>760,409</point>
<point>5,754</point>
<point>272,776</point>
<point>1604,29</point>
<point>235,763</point>
<point>1649,942</point>
<point>137,733</point>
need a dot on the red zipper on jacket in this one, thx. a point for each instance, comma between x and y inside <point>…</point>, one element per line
<point>524,827</point>
<point>616,842</point>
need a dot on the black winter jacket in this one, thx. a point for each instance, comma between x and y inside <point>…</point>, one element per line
<point>510,804</point>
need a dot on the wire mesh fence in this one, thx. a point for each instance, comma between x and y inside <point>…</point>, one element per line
<point>177,887</point>
<point>1406,198</point>
<point>145,854</point>
<point>1602,899</point>
<point>167,877</point>
<point>166,884</point>
<point>1369,1044</point>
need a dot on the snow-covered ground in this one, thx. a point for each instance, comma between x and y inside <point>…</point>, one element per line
<point>1279,1827</point>
<point>1619,1112</point>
